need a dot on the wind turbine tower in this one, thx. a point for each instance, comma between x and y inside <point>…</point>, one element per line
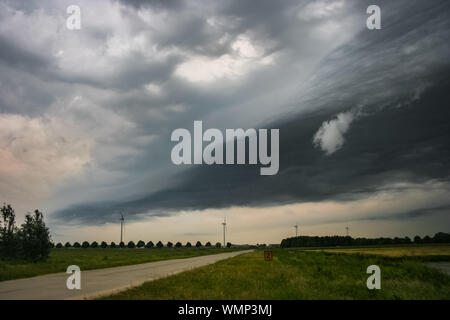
<point>122,223</point>
<point>296,229</point>
<point>224,224</point>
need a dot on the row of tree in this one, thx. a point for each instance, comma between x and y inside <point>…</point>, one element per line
<point>131,244</point>
<point>31,241</point>
<point>306,241</point>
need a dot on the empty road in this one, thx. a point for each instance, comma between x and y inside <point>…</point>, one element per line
<point>96,283</point>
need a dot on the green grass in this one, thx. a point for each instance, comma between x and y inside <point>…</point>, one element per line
<point>399,251</point>
<point>299,274</point>
<point>91,258</point>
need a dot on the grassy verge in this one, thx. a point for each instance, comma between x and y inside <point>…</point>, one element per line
<point>299,274</point>
<point>91,258</point>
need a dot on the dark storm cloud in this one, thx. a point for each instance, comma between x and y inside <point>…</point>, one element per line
<point>407,144</point>
<point>403,135</point>
<point>395,78</point>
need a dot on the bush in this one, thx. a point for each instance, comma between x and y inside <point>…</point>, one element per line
<point>159,244</point>
<point>67,245</point>
<point>77,245</point>
<point>131,245</point>
<point>169,244</point>
<point>59,245</point>
<point>150,244</point>
<point>112,245</point>
<point>218,245</point>
<point>85,245</point>
<point>104,245</point>
<point>94,244</point>
<point>188,245</point>
<point>228,244</point>
<point>198,244</point>
<point>208,244</point>
<point>178,245</point>
<point>140,244</point>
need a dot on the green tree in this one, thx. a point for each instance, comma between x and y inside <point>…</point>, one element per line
<point>34,237</point>
<point>94,244</point>
<point>77,245</point>
<point>104,245</point>
<point>59,245</point>
<point>85,245</point>
<point>208,244</point>
<point>198,244</point>
<point>131,245</point>
<point>8,232</point>
<point>122,244</point>
<point>112,245</point>
<point>67,245</point>
<point>178,245</point>
<point>218,245</point>
<point>188,245</point>
<point>228,244</point>
<point>150,244</point>
<point>169,244</point>
<point>140,244</point>
<point>159,244</point>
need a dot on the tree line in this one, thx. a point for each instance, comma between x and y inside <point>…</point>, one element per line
<point>330,241</point>
<point>139,244</point>
<point>30,241</point>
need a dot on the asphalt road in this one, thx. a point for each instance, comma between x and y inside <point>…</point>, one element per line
<point>100,282</point>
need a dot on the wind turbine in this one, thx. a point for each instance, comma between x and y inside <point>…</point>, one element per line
<point>224,224</point>
<point>122,225</point>
<point>296,229</point>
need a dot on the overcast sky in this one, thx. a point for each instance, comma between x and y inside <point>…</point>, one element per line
<point>86,116</point>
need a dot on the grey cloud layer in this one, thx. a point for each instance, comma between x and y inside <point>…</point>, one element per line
<point>116,84</point>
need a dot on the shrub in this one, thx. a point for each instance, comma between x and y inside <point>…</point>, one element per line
<point>159,244</point>
<point>150,244</point>
<point>188,245</point>
<point>85,245</point>
<point>104,245</point>
<point>208,244</point>
<point>112,245</point>
<point>140,244</point>
<point>131,245</point>
<point>94,244</point>
<point>198,244</point>
<point>77,245</point>
<point>218,245</point>
<point>59,245</point>
<point>178,245</point>
<point>169,244</point>
<point>67,245</point>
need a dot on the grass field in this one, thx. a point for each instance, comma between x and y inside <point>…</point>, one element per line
<point>399,251</point>
<point>91,258</point>
<point>301,274</point>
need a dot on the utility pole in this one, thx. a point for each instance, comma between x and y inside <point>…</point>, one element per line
<point>296,229</point>
<point>346,228</point>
